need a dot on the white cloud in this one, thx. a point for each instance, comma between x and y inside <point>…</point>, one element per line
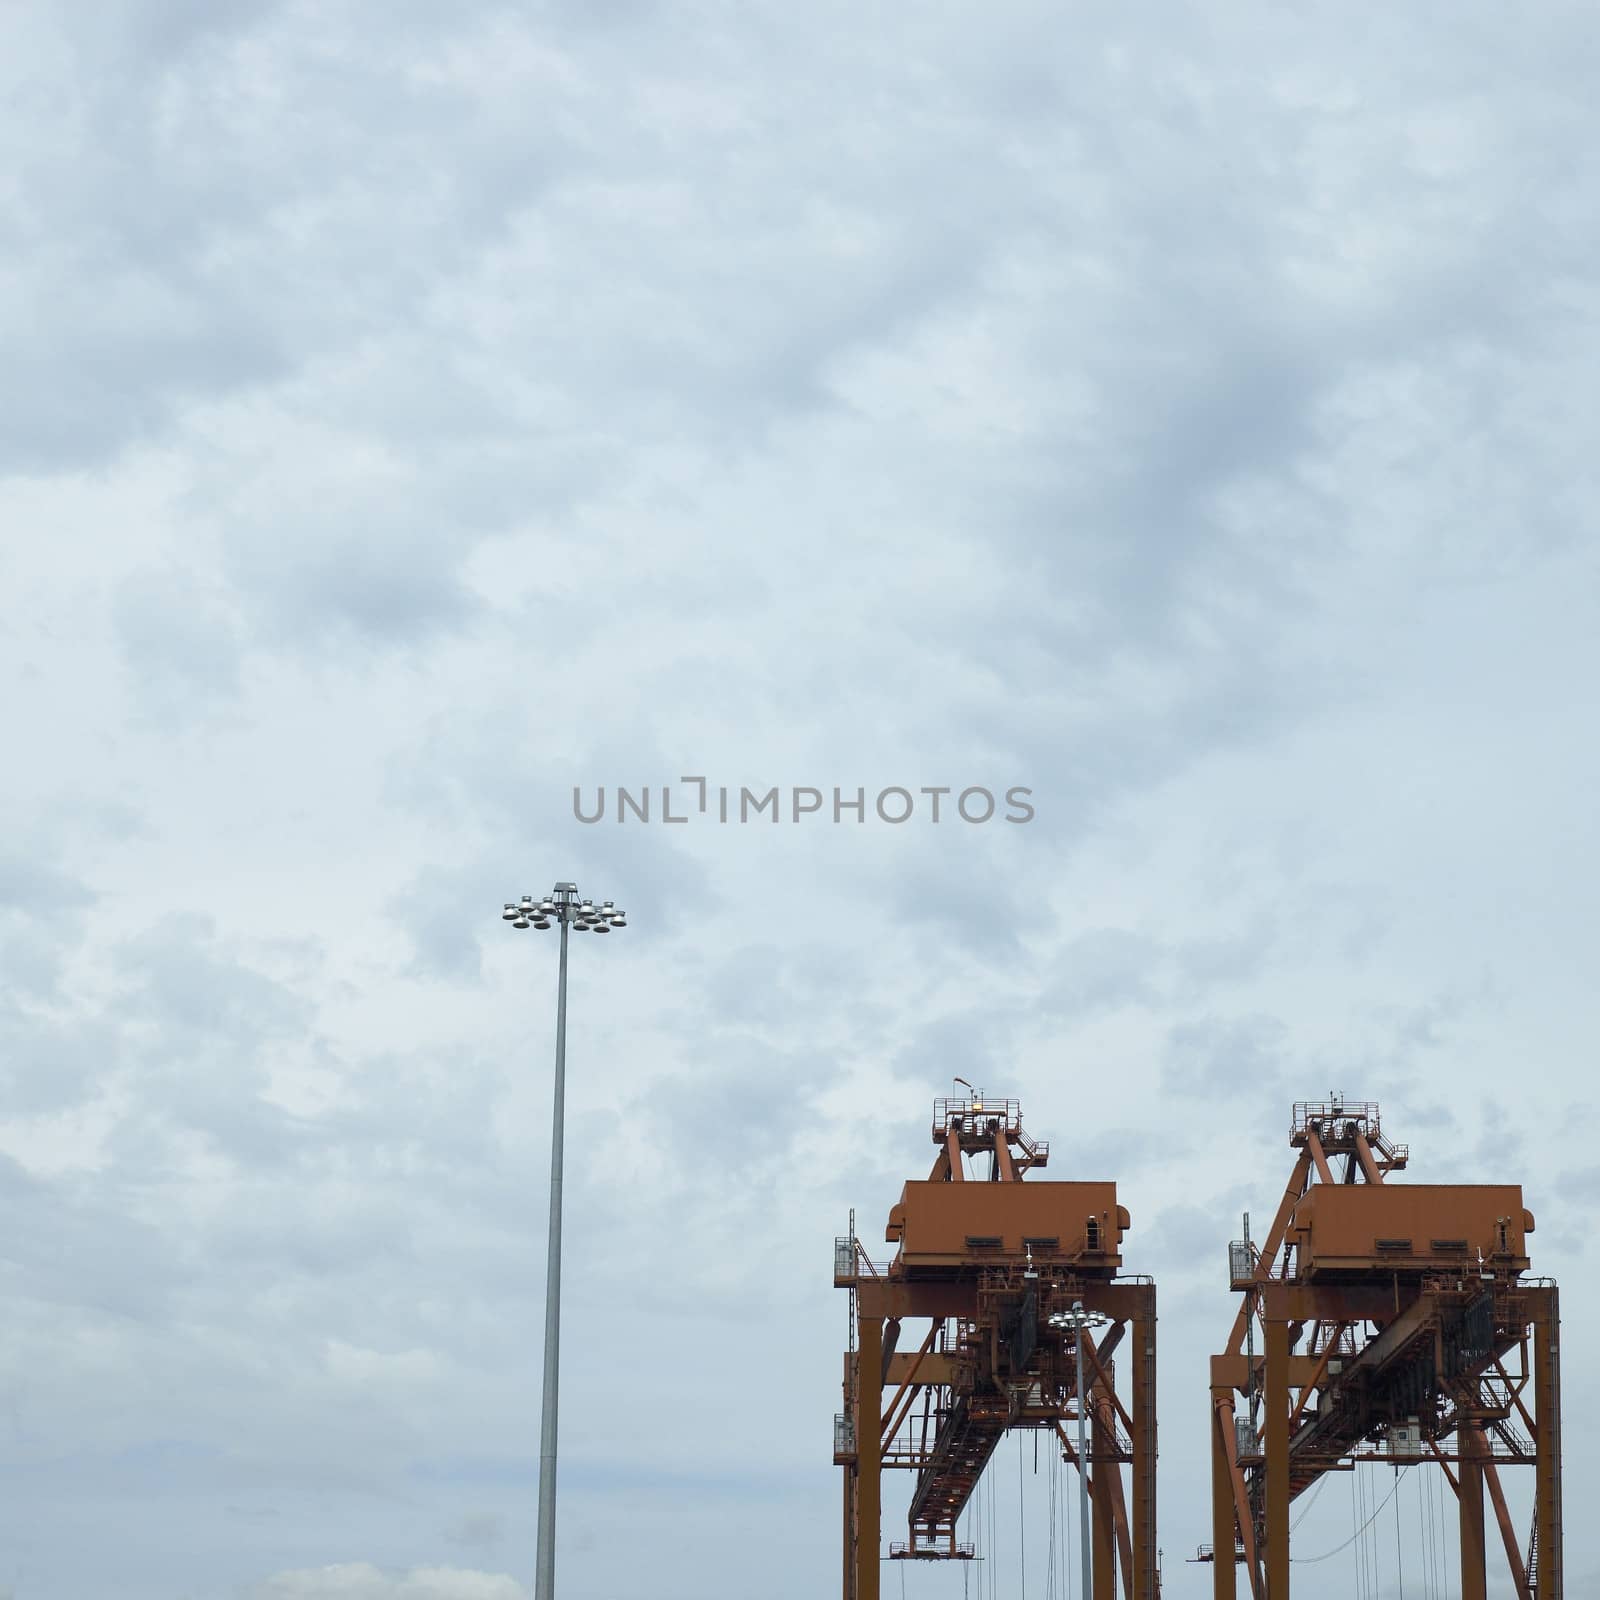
<point>358,1580</point>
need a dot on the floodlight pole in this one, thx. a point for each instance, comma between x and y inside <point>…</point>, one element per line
<point>563,906</point>
<point>544,1587</point>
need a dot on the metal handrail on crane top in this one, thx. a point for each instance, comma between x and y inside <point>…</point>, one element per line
<point>973,1116</point>
<point>1008,1111</point>
<point>1331,1116</point>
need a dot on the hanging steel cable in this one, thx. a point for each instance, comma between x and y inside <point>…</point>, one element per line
<point>1066,1539</point>
<point>1369,1540</point>
<point>1022,1528</point>
<point>981,1541</point>
<point>1321,1484</point>
<point>994,1543</point>
<point>1355,1517</point>
<point>1063,1529</point>
<point>1440,1533</point>
<point>1425,1540</point>
<point>1399,1554</point>
<point>1308,1561</point>
<point>1050,1555</point>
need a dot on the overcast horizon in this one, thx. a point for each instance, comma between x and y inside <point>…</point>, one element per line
<point>416,420</point>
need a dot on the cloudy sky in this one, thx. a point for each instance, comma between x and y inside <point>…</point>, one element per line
<point>410,412</point>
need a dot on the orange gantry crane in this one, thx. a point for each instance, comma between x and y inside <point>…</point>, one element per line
<point>1398,1323</point>
<point>995,1265</point>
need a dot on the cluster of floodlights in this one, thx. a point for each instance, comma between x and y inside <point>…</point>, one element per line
<point>563,906</point>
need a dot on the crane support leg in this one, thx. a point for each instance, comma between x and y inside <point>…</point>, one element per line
<point>849,1544</point>
<point>1474,1573</point>
<point>1112,1471</point>
<point>1276,1400</point>
<point>1144,1453</point>
<point>1103,1541</point>
<point>1508,1534</point>
<point>1224,1569</point>
<point>869,1422</point>
<point>1246,1523</point>
<point>1547,1464</point>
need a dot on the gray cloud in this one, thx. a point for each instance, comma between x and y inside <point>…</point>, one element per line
<point>478,1530</point>
<point>408,418</point>
<point>1189,1241</point>
<point>1211,1055</point>
<point>176,640</point>
<point>38,889</point>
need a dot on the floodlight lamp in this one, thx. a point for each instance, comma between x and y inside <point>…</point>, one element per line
<point>1077,1317</point>
<point>520,922</point>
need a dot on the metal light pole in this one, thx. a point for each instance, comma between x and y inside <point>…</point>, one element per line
<point>1079,1320</point>
<point>562,906</point>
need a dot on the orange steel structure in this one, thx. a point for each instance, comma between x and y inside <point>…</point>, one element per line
<point>987,1263</point>
<point>1398,1324</point>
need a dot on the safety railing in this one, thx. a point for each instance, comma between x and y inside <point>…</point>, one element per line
<point>930,1547</point>
<point>851,1263</point>
<point>1333,1117</point>
<point>1036,1150</point>
<point>1241,1264</point>
<point>1327,1333</point>
<point>978,1110</point>
<point>844,1436</point>
<point>1246,1442</point>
